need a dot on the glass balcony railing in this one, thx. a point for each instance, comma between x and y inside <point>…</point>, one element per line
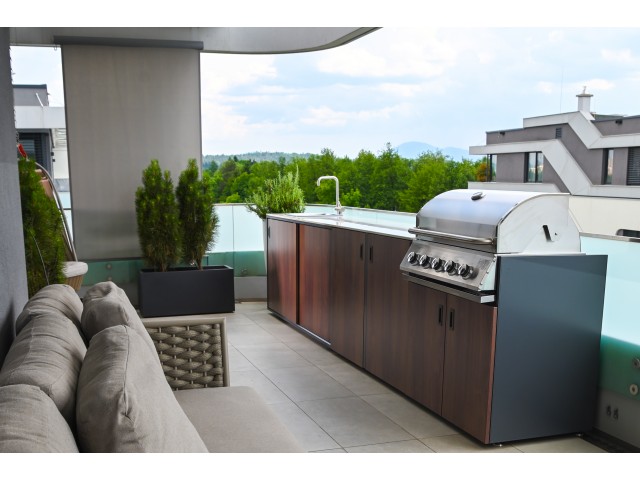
<point>620,342</point>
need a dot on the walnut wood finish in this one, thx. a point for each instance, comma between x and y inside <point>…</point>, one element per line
<point>314,245</point>
<point>347,285</point>
<point>387,338</point>
<point>427,313</point>
<point>282,269</point>
<point>468,366</point>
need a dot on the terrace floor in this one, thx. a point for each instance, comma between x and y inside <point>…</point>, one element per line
<point>332,406</point>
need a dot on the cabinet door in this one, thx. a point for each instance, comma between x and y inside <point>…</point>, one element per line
<point>314,245</point>
<point>347,281</point>
<point>387,337</point>
<point>282,271</point>
<point>468,365</point>
<point>427,312</point>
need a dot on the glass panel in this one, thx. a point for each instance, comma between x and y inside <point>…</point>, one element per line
<point>531,167</point>
<point>494,164</point>
<point>539,166</point>
<point>608,173</point>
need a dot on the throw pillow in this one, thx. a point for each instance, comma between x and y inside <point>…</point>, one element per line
<point>124,402</point>
<point>31,423</point>
<point>48,354</point>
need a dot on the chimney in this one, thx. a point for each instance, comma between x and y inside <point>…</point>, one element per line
<point>584,101</point>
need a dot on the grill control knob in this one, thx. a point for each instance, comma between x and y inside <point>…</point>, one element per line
<point>423,261</point>
<point>436,263</point>
<point>450,267</point>
<point>465,271</point>
<point>412,257</point>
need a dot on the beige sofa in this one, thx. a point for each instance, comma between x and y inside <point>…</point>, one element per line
<point>86,376</point>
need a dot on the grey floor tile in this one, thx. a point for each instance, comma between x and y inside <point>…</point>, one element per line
<point>307,432</point>
<point>238,319</point>
<point>261,384</point>
<point>334,450</point>
<point>247,307</point>
<point>271,355</point>
<point>571,444</point>
<point>306,383</point>
<point>265,318</point>
<point>280,330</point>
<point>238,362</point>
<point>416,420</point>
<point>406,446</point>
<point>316,354</point>
<point>249,334</point>
<point>352,422</point>
<point>462,444</point>
<point>354,379</point>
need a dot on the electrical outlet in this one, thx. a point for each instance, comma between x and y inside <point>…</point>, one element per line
<point>615,413</point>
<point>608,410</point>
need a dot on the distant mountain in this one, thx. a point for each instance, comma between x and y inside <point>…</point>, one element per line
<point>415,149</point>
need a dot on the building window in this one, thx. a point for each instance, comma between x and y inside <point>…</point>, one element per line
<point>559,132</point>
<point>492,160</point>
<point>535,164</point>
<point>608,166</point>
<point>633,167</point>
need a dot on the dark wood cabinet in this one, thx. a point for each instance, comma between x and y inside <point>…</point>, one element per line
<point>314,246</point>
<point>468,365</point>
<point>282,269</point>
<point>387,338</point>
<point>452,358</point>
<point>347,285</point>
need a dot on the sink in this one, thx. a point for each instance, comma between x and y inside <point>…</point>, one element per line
<point>327,216</point>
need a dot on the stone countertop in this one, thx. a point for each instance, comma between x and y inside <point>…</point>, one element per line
<point>335,221</point>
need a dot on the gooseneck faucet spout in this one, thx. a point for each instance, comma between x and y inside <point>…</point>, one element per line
<point>338,208</point>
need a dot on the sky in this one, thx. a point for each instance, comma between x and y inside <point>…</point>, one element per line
<point>442,85</point>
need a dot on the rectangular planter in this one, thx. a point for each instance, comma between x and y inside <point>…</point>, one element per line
<point>186,291</point>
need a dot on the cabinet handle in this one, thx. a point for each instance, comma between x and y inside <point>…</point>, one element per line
<point>452,317</point>
<point>268,231</point>
<point>371,253</point>
<point>361,250</point>
<point>440,314</point>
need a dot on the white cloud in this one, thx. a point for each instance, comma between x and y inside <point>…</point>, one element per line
<point>328,117</point>
<point>546,87</point>
<point>594,84</point>
<point>624,56</point>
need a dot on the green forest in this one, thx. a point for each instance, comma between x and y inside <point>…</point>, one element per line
<point>384,181</point>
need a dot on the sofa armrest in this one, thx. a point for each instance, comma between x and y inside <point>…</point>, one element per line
<point>192,350</point>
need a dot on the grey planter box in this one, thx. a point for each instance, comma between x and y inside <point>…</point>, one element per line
<point>186,291</point>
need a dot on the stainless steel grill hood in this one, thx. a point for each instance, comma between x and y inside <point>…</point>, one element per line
<point>501,221</point>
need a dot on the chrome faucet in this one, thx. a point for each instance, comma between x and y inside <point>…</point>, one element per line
<point>338,208</point>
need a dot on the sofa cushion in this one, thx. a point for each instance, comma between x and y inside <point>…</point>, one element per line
<point>124,403</point>
<point>31,423</point>
<point>48,354</point>
<point>236,420</point>
<point>57,298</point>
<point>106,305</point>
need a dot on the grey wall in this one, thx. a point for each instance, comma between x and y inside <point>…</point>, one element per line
<point>124,107</point>
<point>13,276</point>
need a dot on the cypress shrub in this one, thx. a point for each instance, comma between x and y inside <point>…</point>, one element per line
<point>43,229</point>
<point>157,218</point>
<point>198,218</point>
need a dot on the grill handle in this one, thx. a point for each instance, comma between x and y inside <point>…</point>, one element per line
<point>453,236</point>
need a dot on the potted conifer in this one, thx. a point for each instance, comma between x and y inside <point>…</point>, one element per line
<point>179,225</point>
<point>42,226</point>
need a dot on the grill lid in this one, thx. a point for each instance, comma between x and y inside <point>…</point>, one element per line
<point>500,221</point>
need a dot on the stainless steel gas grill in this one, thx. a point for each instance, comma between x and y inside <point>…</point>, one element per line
<point>505,315</point>
<point>461,233</point>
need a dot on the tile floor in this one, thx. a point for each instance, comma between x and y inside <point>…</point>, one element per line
<point>332,406</point>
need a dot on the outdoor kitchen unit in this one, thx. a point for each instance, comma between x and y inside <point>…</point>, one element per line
<point>514,310</point>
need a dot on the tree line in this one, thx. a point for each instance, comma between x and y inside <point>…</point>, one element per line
<point>384,181</point>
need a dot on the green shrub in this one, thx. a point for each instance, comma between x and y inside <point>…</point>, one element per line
<point>198,217</point>
<point>157,218</point>
<point>43,229</point>
<point>278,195</point>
